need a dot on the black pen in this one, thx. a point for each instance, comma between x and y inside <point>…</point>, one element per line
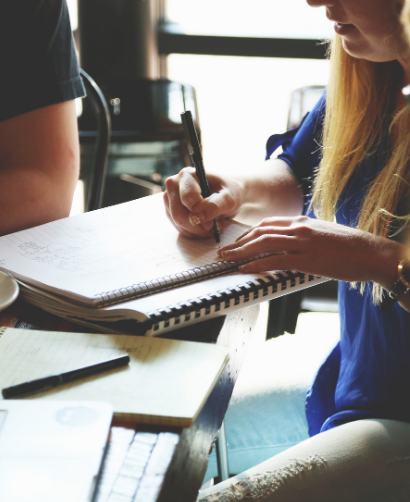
<point>46,383</point>
<point>194,151</point>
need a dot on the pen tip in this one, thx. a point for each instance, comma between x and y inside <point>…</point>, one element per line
<point>216,231</point>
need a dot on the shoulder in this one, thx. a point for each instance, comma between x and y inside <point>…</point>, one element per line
<point>302,146</point>
<point>309,128</point>
<point>38,50</point>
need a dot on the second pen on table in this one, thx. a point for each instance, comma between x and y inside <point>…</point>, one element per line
<point>46,383</point>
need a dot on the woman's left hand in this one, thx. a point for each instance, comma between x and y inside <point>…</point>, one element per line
<point>317,247</point>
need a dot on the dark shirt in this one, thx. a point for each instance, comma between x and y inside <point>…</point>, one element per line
<point>367,375</point>
<point>38,61</point>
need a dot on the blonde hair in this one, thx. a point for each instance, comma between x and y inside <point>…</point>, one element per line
<point>405,19</point>
<point>360,101</point>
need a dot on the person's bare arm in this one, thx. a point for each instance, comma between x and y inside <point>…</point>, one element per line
<point>271,191</point>
<point>39,166</point>
<point>267,190</point>
<point>319,247</point>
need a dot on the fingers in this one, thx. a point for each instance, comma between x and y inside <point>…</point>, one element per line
<point>285,252</point>
<point>271,263</point>
<point>181,230</point>
<point>183,190</point>
<point>218,204</point>
<point>264,239</point>
<point>293,223</point>
<point>264,244</point>
<point>190,213</point>
<point>186,185</point>
<point>182,193</point>
<point>179,217</point>
<point>280,237</point>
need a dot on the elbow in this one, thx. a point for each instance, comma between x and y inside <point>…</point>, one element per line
<point>60,197</point>
<point>53,190</point>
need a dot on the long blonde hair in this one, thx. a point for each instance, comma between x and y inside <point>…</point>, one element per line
<point>360,101</point>
<point>405,19</point>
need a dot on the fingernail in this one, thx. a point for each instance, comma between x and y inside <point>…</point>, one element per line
<point>226,254</point>
<point>194,219</point>
<point>208,225</point>
<point>241,236</point>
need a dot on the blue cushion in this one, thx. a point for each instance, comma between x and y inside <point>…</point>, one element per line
<point>266,414</point>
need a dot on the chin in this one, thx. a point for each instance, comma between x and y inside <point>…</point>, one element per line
<point>358,51</point>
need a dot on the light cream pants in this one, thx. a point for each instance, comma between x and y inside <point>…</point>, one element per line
<point>363,461</point>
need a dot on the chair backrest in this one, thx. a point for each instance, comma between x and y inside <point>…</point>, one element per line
<point>284,311</point>
<point>99,166</point>
<point>302,101</point>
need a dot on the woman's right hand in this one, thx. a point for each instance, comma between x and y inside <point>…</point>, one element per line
<point>190,213</point>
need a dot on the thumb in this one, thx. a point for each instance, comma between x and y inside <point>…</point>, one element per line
<point>213,207</point>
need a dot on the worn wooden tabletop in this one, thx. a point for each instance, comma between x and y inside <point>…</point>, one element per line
<point>177,475</point>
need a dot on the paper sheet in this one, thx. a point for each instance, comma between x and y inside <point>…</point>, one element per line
<point>167,381</point>
<point>106,250</point>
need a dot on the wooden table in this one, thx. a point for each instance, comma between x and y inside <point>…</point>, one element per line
<point>179,473</point>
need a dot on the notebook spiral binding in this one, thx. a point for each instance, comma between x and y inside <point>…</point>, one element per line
<point>172,281</point>
<point>221,300</point>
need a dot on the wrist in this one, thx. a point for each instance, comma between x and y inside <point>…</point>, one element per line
<point>385,263</point>
<point>400,287</point>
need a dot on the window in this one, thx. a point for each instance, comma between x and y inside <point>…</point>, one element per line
<point>244,18</point>
<point>243,100</point>
<point>72,9</point>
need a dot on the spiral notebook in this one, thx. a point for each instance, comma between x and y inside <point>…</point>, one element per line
<point>125,268</point>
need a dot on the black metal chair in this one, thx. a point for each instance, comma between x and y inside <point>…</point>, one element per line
<point>284,311</point>
<point>100,160</point>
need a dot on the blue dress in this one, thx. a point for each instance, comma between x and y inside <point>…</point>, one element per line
<point>367,375</point>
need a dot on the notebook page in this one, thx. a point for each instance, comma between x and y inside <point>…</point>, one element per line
<point>167,381</point>
<point>106,250</point>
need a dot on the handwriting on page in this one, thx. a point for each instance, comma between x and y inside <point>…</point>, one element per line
<point>109,249</point>
<point>73,255</point>
<point>63,258</point>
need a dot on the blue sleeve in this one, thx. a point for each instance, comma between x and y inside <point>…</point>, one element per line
<point>301,146</point>
<point>38,56</point>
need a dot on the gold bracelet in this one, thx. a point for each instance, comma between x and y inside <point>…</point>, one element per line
<point>400,287</point>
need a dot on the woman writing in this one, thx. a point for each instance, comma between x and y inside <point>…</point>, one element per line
<point>349,164</point>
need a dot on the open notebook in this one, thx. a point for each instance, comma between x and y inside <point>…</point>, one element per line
<point>167,381</point>
<point>128,263</point>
